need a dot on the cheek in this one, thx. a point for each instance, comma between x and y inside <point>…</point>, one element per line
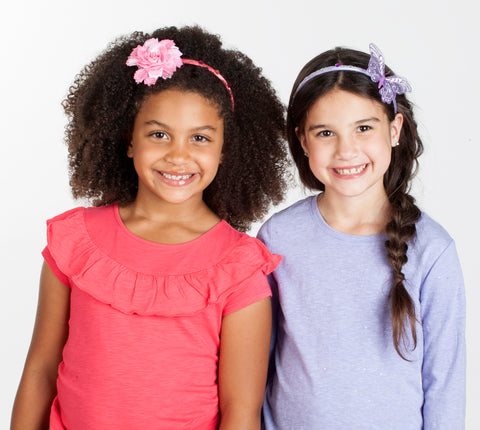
<point>145,158</point>
<point>319,155</point>
<point>210,161</point>
<point>215,162</point>
<point>319,165</point>
<point>383,155</point>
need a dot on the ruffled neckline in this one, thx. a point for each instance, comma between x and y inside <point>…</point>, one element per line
<point>187,257</point>
<point>96,251</point>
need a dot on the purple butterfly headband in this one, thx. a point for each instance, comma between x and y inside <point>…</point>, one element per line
<point>160,59</point>
<point>389,86</point>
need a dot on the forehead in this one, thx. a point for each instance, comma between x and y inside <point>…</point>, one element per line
<point>180,107</point>
<point>344,107</point>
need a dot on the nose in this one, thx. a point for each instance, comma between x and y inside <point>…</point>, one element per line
<point>178,152</point>
<point>346,148</point>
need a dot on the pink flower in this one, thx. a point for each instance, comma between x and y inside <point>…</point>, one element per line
<point>155,60</point>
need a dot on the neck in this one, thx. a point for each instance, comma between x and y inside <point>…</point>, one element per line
<point>358,215</point>
<point>168,223</point>
<point>158,210</point>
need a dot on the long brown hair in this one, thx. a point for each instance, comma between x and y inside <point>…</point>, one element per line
<point>401,228</point>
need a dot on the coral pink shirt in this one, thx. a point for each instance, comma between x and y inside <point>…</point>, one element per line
<point>145,319</point>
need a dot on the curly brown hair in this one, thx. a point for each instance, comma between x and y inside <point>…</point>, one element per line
<point>397,180</point>
<point>104,99</point>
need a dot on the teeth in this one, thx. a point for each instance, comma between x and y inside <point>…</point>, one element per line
<point>352,171</point>
<point>176,177</point>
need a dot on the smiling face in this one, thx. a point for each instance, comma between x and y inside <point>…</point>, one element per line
<point>176,147</point>
<point>348,139</point>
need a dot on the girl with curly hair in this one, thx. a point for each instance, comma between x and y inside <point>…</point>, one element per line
<point>369,298</point>
<point>154,310</point>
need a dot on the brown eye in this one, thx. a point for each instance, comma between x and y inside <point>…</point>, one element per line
<point>198,138</point>
<point>158,134</point>
<point>325,133</point>
<point>364,128</point>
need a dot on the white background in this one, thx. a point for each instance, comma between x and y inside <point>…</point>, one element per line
<point>44,44</point>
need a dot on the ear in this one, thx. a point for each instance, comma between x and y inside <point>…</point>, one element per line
<point>130,150</point>
<point>396,128</point>
<point>301,137</point>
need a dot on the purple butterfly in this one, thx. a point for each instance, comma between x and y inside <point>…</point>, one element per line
<point>389,86</point>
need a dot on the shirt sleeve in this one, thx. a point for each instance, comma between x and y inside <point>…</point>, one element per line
<point>248,292</point>
<point>443,317</point>
<point>256,286</point>
<point>54,268</point>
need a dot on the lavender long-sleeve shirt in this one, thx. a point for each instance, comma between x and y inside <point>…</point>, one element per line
<point>334,363</point>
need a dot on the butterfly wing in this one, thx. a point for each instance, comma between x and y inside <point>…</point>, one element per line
<point>376,65</point>
<point>392,86</point>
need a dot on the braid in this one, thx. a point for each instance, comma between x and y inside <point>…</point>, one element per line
<point>399,231</point>
<point>401,228</point>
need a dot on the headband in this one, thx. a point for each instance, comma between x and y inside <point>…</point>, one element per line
<point>389,86</point>
<point>160,59</point>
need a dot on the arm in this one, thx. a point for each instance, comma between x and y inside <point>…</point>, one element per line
<point>264,236</point>
<point>275,310</point>
<point>37,389</point>
<point>443,318</point>
<point>244,346</point>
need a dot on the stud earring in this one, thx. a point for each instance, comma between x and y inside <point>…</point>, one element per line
<point>306,155</point>
<point>396,144</point>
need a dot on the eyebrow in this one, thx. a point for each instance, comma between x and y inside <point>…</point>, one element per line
<point>199,128</point>
<point>360,121</point>
<point>372,119</point>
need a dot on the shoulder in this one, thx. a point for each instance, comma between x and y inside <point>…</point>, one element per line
<point>288,220</point>
<point>245,248</point>
<point>79,213</point>
<point>431,236</point>
<point>65,224</point>
<point>80,220</point>
<point>298,209</point>
<point>69,214</point>
<point>433,249</point>
<point>75,228</point>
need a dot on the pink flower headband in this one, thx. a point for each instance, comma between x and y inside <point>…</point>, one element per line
<point>160,59</point>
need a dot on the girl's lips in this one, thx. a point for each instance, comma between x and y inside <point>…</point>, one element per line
<point>176,179</point>
<point>350,172</point>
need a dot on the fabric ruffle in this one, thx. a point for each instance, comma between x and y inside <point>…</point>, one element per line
<point>132,292</point>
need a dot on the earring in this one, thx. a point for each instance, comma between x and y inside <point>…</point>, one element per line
<point>306,155</point>
<point>396,144</point>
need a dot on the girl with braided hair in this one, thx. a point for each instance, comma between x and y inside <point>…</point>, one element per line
<point>369,306</point>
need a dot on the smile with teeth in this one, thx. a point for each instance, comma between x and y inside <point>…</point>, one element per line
<point>176,177</point>
<point>351,170</point>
